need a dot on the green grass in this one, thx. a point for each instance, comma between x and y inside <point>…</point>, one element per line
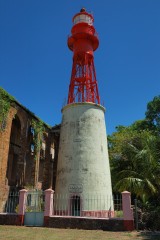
<point>34,233</point>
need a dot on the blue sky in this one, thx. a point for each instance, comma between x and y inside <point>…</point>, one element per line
<point>35,62</point>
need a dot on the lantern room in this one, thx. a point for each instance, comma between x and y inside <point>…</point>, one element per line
<point>83,17</point>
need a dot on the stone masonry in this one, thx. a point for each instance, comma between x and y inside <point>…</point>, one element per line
<point>20,166</point>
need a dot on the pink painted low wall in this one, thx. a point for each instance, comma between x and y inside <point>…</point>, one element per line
<point>98,214</point>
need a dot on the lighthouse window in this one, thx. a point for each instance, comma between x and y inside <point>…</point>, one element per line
<point>76,20</point>
<point>83,18</point>
<point>89,20</point>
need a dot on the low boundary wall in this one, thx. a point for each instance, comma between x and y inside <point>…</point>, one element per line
<point>110,224</point>
<point>9,219</point>
<point>87,223</point>
<point>113,224</point>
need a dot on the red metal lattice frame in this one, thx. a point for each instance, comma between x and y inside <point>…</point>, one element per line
<point>83,84</point>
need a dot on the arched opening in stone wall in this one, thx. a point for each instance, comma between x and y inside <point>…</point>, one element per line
<point>53,164</point>
<point>14,151</point>
<point>42,160</point>
<point>54,149</point>
<point>29,158</point>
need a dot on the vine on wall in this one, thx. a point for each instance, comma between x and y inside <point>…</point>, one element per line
<point>39,129</point>
<point>5,104</point>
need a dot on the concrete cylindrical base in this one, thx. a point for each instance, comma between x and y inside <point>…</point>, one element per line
<point>83,164</point>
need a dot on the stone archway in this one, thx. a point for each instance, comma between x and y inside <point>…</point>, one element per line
<point>14,151</point>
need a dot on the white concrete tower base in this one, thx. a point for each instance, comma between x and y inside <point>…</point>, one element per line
<point>83,164</point>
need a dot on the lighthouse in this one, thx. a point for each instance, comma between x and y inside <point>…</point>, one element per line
<point>83,171</point>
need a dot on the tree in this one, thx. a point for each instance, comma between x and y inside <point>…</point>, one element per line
<point>153,113</point>
<point>135,165</point>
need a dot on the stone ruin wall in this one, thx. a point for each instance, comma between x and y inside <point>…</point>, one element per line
<point>20,167</point>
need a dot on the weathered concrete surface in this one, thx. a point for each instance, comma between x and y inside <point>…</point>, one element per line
<point>83,163</point>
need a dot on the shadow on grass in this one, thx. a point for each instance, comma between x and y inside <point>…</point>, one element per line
<point>149,235</point>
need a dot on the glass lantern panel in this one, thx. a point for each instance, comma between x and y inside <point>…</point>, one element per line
<point>83,18</point>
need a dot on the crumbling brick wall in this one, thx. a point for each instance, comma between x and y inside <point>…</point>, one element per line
<point>20,167</point>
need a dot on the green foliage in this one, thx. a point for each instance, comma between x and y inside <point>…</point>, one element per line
<point>153,113</point>
<point>135,166</point>
<point>17,209</point>
<point>39,129</point>
<point>141,125</point>
<point>5,103</point>
<point>135,162</point>
<point>152,219</point>
<point>118,214</point>
<point>135,155</point>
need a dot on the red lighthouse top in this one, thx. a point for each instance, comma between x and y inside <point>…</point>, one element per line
<point>83,42</point>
